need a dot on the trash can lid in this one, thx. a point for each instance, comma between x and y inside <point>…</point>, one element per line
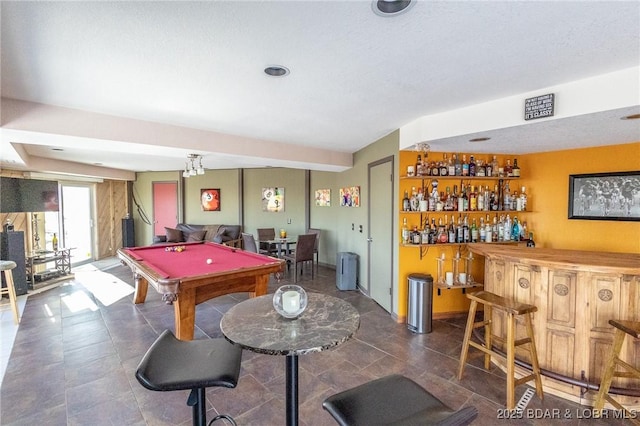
<point>421,277</point>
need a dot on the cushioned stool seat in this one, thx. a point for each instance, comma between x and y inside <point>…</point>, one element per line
<point>6,267</point>
<point>393,400</point>
<point>171,364</point>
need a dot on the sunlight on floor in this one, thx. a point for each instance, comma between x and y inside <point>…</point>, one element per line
<point>104,286</point>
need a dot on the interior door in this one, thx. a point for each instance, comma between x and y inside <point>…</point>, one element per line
<point>165,206</point>
<point>380,252</point>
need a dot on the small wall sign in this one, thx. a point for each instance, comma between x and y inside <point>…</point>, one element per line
<point>539,107</point>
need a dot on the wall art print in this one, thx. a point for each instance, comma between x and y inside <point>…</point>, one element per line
<point>210,199</point>
<point>605,196</point>
<point>323,197</point>
<point>350,196</point>
<point>273,200</point>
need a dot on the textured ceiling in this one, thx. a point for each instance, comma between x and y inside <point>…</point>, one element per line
<point>355,76</point>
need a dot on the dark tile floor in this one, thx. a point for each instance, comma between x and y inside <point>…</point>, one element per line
<point>78,345</point>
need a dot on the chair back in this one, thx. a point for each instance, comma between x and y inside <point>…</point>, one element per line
<point>249,242</point>
<point>317,233</point>
<point>305,247</point>
<point>265,234</point>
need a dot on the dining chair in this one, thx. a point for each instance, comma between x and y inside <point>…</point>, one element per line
<point>265,234</point>
<point>249,242</point>
<point>303,253</point>
<point>315,248</point>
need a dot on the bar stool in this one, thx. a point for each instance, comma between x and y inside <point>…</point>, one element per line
<point>7,267</point>
<point>511,308</point>
<point>623,328</point>
<point>171,364</point>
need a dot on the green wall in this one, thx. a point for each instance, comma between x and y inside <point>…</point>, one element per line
<point>241,202</point>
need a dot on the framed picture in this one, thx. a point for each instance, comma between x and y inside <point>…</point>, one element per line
<point>210,199</point>
<point>273,200</point>
<point>605,196</point>
<point>323,197</point>
<point>350,196</point>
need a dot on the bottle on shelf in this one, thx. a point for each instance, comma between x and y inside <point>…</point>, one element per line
<point>506,197</point>
<point>481,168</point>
<point>459,230</point>
<point>523,199</point>
<point>405,231</point>
<point>406,204</point>
<point>457,165</point>
<point>444,165</point>
<point>466,232</point>
<point>418,169</point>
<point>515,170</point>
<point>530,242</point>
<point>442,236</point>
<point>451,231</point>
<point>474,231</point>
<point>472,166</point>
<point>424,235</point>
<point>506,233</point>
<point>451,167</point>
<point>515,229</point>
<point>465,165</point>
<point>495,229</point>
<point>415,235</point>
<point>433,231</point>
<point>508,169</point>
<point>482,232</point>
<point>473,199</point>
<point>54,242</point>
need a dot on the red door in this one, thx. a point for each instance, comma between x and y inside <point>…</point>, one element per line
<point>165,206</point>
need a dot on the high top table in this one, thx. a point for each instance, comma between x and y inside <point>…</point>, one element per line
<point>255,325</point>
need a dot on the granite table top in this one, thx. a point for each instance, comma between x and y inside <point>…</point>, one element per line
<point>255,325</point>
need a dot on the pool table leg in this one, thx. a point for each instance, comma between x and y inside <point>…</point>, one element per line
<point>262,282</point>
<point>141,289</point>
<point>185,314</point>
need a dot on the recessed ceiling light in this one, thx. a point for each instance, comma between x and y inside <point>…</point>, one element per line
<point>391,7</point>
<point>57,149</point>
<point>97,164</point>
<point>482,139</point>
<point>631,117</point>
<point>276,71</point>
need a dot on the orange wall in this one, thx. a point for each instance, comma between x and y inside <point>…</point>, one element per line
<point>546,178</point>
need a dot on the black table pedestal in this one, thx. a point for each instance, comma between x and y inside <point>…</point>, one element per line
<point>292,389</point>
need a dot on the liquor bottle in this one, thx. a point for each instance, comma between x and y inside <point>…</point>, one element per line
<point>440,202</point>
<point>523,199</point>
<point>489,169</point>
<point>458,165</point>
<point>488,232</point>
<point>500,228</point>
<point>448,200</point>
<point>482,231</point>
<point>514,200</point>
<point>461,198</point>
<point>495,233</point>
<point>508,169</point>
<point>406,204</point>
<point>415,236</point>
<point>515,229</point>
<point>506,197</point>
<point>459,231</point>
<point>474,231</point>
<point>433,231</point>
<point>452,231</point>
<point>413,201</point>
<point>473,199</point>
<point>465,165</point>
<point>493,200</point>
<point>515,171</point>
<point>435,168</point>
<point>466,232</point>
<point>444,165</point>
<point>405,231</point>
<point>424,236</point>
<point>507,228</point>
<point>419,170</point>
<point>454,198</point>
<point>472,166</point>
<point>530,242</point>
<point>451,166</point>
<point>442,236</point>
<point>54,242</point>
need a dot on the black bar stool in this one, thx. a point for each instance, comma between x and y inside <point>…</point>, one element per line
<point>391,400</point>
<point>623,329</point>
<point>171,364</point>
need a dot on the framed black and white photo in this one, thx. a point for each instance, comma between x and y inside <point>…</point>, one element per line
<point>605,196</point>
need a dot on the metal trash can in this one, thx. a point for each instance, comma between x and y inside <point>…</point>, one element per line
<point>347,271</point>
<point>420,303</point>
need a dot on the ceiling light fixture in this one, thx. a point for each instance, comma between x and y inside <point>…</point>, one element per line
<point>423,147</point>
<point>391,7</point>
<point>631,117</point>
<point>276,71</point>
<point>190,168</point>
<point>481,139</point>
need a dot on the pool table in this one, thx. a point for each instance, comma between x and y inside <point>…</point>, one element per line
<point>186,278</point>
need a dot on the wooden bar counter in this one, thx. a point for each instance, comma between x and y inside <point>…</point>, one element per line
<point>577,293</point>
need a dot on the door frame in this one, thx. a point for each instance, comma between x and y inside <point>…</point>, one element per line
<point>392,248</point>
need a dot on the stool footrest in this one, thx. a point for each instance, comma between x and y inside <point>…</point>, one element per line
<point>523,341</point>
<point>631,372</point>
<point>525,379</point>
<point>481,323</point>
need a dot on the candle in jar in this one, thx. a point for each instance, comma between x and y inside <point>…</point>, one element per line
<point>449,278</point>
<point>291,301</point>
